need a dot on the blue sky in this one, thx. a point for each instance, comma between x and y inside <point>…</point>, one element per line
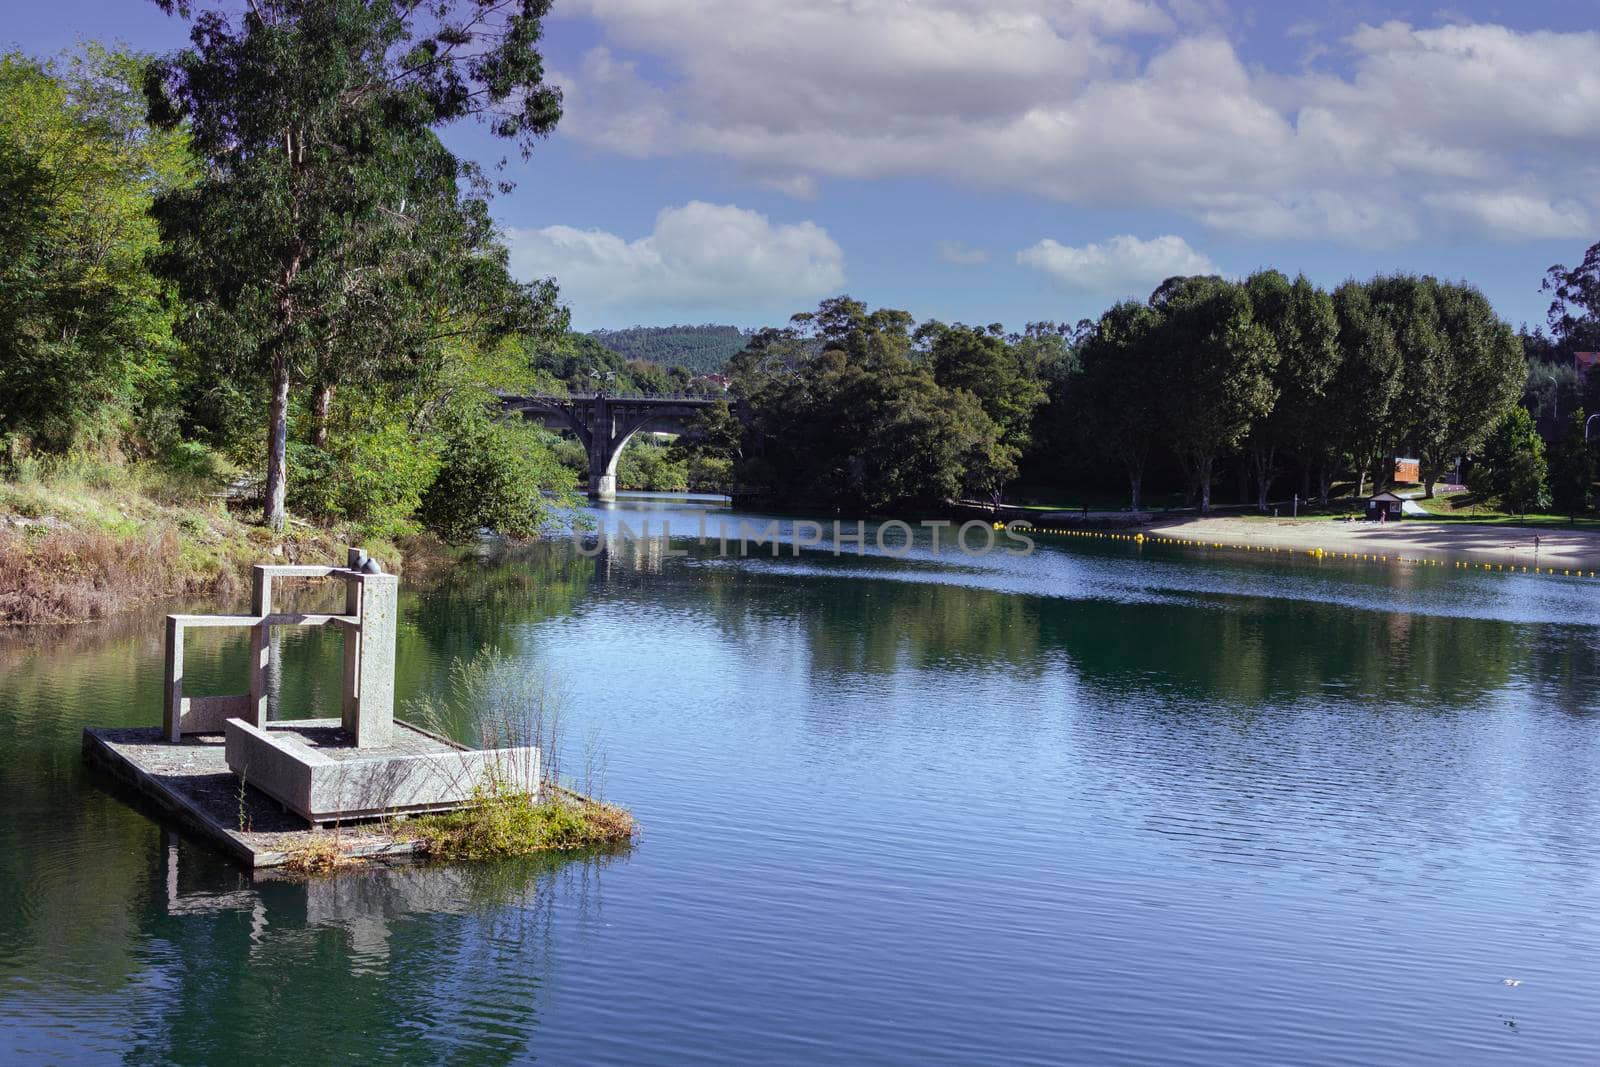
<point>1013,160</point>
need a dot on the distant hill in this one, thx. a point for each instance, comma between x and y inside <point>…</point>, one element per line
<point>700,349</point>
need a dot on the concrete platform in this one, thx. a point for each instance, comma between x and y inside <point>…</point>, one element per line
<point>191,781</point>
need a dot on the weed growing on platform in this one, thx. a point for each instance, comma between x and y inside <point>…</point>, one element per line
<point>500,702</point>
<point>503,822</point>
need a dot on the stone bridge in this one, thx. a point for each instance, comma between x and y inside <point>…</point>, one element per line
<point>605,422</point>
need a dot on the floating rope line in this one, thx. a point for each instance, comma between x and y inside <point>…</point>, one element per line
<point>1314,553</point>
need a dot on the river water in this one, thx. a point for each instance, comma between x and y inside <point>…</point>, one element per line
<point>1104,803</point>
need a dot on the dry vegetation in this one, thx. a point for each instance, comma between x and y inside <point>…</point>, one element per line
<point>84,540</point>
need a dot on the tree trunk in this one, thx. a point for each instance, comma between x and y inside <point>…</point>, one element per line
<point>1203,468</point>
<point>1325,482</point>
<point>1135,485</point>
<point>1243,474</point>
<point>321,411</point>
<point>1263,459</point>
<point>278,443</point>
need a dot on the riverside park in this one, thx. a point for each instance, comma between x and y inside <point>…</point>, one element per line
<point>918,532</point>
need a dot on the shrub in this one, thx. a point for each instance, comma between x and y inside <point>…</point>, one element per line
<point>372,476</point>
<point>503,476</point>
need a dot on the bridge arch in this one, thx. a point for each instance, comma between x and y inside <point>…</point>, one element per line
<point>605,424</point>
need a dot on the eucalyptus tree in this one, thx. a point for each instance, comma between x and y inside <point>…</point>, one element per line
<point>1221,363</point>
<point>1305,331</point>
<point>1574,315</point>
<point>316,122</point>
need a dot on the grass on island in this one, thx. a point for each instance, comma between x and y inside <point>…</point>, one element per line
<point>499,822</point>
<point>502,702</point>
<point>318,855</point>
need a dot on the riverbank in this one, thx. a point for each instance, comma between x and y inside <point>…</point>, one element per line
<point>73,550</point>
<point>1576,549</point>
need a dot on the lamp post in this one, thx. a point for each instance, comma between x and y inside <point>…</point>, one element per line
<point>1586,423</point>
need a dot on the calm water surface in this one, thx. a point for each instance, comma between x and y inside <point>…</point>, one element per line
<point>1101,804</point>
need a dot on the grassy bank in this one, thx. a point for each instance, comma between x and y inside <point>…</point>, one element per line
<point>86,539</point>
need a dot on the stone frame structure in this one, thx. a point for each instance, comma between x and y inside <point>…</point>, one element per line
<point>370,605</point>
<point>373,766</point>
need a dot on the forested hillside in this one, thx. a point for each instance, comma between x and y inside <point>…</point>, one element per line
<point>701,349</point>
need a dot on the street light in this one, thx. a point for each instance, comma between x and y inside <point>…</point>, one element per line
<point>1586,423</point>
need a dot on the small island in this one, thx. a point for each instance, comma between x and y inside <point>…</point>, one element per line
<point>319,793</point>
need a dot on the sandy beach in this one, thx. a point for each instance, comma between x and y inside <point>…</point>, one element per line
<point>1413,539</point>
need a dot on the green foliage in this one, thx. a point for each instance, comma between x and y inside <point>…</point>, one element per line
<point>698,349</point>
<point>328,242</point>
<point>648,465</point>
<point>1512,469</point>
<point>1462,368</point>
<point>1119,403</point>
<point>839,415</point>
<point>584,365</point>
<point>1572,468</point>
<point>991,368</point>
<point>501,822</point>
<point>1305,331</point>
<point>502,476</point>
<point>85,334</point>
<point>373,476</point>
<point>1575,304</point>
<point>1220,363</point>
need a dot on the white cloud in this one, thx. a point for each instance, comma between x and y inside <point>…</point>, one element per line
<point>1122,266</point>
<point>961,254</point>
<point>1113,103</point>
<point>705,259</point>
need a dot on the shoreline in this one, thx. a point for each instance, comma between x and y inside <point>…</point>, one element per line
<point>1577,550</point>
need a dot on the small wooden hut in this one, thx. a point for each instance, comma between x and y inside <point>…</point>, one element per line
<point>1385,507</point>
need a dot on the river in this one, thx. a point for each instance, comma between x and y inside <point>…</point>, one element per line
<point>1100,803</point>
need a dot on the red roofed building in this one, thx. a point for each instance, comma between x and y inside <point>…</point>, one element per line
<point>1583,361</point>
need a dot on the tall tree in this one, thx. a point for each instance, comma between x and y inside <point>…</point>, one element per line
<point>1461,367</point>
<point>838,414</point>
<point>1305,331</point>
<point>1362,393</point>
<point>1575,304</point>
<point>1120,403</point>
<point>987,364</point>
<point>316,121</point>
<point>1221,379</point>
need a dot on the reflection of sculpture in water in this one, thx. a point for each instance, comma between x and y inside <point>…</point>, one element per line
<point>446,946</point>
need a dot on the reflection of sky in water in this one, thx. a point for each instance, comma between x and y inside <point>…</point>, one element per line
<point>1099,804</point>
<point>1116,571</point>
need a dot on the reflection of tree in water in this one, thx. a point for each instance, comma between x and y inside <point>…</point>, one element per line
<point>409,963</point>
<point>1247,651</point>
<point>481,605</point>
<point>1234,649</point>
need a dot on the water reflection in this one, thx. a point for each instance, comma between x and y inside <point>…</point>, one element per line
<point>1101,803</point>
